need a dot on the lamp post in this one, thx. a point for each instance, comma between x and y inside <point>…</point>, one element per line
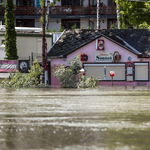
<point>43,43</point>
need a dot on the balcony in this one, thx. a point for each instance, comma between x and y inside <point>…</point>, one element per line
<point>63,10</point>
<point>78,10</point>
<point>21,10</point>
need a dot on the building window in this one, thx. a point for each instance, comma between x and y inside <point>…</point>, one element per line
<point>69,23</point>
<point>70,2</point>
<point>110,22</point>
<point>24,22</point>
<point>2,41</point>
<point>25,2</point>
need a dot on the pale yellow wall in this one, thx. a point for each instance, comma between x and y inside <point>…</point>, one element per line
<point>26,45</point>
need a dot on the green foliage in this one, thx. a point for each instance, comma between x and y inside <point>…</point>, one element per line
<point>53,30</point>
<point>17,79</point>
<point>144,25</point>
<point>10,34</point>
<point>83,26</point>
<point>61,29</point>
<point>48,30</point>
<point>133,13</point>
<point>74,26</point>
<point>88,27</point>
<point>114,26</point>
<point>86,82</point>
<point>65,76</point>
<point>70,77</point>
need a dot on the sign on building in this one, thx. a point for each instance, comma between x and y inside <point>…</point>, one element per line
<point>103,57</point>
<point>8,65</point>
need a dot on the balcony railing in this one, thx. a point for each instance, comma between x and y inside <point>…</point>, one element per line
<point>78,10</point>
<point>62,10</point>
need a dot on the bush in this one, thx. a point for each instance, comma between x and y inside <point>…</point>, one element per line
<point>18,79</point>
<point>70,76</point>
<point>88,82</point>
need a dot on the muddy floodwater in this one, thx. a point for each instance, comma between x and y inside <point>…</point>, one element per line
<point>75,119</point>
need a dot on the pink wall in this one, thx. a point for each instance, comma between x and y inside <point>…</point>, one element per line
<point>90,50</point>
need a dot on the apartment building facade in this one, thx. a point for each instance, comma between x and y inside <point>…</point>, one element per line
<point>65,13</point>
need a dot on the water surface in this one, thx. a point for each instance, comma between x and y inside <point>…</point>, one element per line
<point>75,119</point>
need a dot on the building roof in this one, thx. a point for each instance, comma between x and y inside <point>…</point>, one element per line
<point>136,41</point>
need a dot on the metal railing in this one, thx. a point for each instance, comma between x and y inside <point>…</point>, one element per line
<point>62,10</point>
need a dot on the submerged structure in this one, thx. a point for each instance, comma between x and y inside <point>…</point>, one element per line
<point>126,52</point>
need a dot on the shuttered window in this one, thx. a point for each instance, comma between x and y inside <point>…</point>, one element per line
<point>141,71</point>
<point>119,72</point>
<point>103,70</point>
<point>95,71</point>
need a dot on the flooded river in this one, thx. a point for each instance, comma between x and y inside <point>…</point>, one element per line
<point>75,119</point>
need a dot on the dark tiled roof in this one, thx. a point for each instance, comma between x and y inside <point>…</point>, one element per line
<point>136,40</point>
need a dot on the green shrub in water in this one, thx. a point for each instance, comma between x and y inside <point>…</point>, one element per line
<point>70,76</point>
<point>88,82</point>
<point>31,79</point>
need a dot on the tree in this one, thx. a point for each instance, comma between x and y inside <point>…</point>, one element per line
<point>10,34</point>
<point>52,3</point>
<point>133,12</point>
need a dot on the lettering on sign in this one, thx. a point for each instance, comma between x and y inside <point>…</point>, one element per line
<point>8,66</point>
<point>103,57</point>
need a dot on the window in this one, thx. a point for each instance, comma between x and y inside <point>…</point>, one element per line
<point>25,2</point>
<point>2,41</point>
<point>68,23</point>
<point>103,70</point>
<point>24,22</point>
<point>70,2</point>
<point>110,22</point>
<point>141,71</point>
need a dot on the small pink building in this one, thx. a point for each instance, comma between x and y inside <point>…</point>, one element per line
<point>126,52</point>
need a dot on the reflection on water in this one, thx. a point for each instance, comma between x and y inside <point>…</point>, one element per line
<point>75,119</point>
